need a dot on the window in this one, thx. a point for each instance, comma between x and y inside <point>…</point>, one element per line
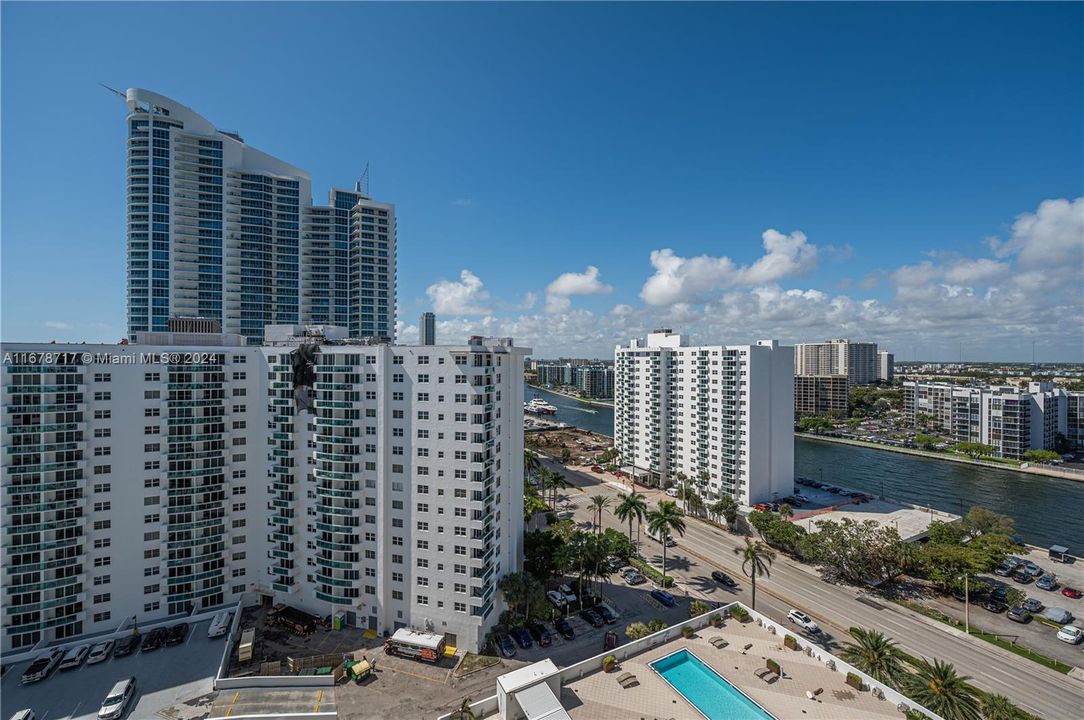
<point>102,616</point>
<point>151,606</point>
<point>423,599</point>
<point>461,607</point>
<point>150,589</point>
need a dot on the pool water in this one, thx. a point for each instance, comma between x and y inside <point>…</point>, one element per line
<point>706,690</point>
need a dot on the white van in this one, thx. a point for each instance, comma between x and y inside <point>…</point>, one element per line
<point>672,492</point>
<point>220,624</point>
<point>117,700</point>
<point>669,539</point>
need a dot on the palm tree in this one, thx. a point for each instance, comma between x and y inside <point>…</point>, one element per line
<point>999,707</point>
<point>629,507</point>
<point>661,521</point>
<point>530,463</point>
<point>875,655</point>
<point>937,687</point>
<point>464,712</point>
<point>683,489</point>
<point>695,502</point>
<point>553,482</point>
<point>786,511</point>
<point>756,560</point>
<point>599,503</point>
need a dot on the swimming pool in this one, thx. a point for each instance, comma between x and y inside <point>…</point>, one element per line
<point>706,690</point>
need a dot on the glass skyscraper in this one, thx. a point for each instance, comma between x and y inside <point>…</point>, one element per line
<point>220,230</point>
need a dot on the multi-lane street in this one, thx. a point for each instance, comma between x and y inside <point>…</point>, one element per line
<point>704,548</point>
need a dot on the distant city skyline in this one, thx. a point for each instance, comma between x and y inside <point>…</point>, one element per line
<point>882,172</point>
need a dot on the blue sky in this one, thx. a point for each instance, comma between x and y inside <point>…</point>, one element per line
<point>574,175</point>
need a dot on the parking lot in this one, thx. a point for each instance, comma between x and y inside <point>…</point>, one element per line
<point>631,603</point>
<point>163,677</point>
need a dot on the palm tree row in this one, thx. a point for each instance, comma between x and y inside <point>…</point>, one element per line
<point>934,685</point>
<point>664,521</point>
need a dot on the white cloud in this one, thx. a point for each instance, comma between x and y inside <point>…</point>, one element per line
<point>57,325</point>
<point>466,297</point>
<point>1052,236</point>
<point>690,280</point>
<point>559,292</point>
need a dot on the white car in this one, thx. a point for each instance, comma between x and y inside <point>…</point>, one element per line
<point>672,492</point>
<point>803,621</point>
<point>74,657</point>
<point>1070,634</point>
<point>99,652</point>
<point>116,701</point>
<point>220,625</point>
<point>634,578</point>
<point>570,597</point>
<point>556,598</point>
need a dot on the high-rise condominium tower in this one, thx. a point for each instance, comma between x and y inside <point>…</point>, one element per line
<point>383,481</point>
<point>721,415</point>
<point>220,230</point>
<point>427,329</point>
<point>858,361</point>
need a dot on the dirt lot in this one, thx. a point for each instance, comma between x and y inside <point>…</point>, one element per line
<point>274,643</point>
<point>578,442</point>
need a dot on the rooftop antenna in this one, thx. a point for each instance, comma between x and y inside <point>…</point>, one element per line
<point>114,91</point>
<point>362,185</point>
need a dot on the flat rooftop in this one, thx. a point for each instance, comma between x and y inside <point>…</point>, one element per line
<point>912,523</point>
<point>599,696</point>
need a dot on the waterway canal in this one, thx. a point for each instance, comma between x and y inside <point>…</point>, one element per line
<point>1047,510</point>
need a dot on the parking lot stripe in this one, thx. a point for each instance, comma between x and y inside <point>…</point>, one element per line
<point>319,698</point>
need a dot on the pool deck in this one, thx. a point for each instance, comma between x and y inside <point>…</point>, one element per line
<point>598,696</point>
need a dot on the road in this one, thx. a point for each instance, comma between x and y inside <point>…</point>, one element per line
<point>1034,688</point>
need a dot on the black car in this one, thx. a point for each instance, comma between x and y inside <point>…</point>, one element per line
<point>721,577</point>
<point>564,629</point>
<point>505,645</point>
<point>592,617</point>
<point>1022,577</point>
<point>177,634</point>
<point>1000,594</point>
<point>541,635</point>
<point>1018,614</point>
<point>993,606</point>
<point>154,639</point>
<point>126,646</point>
<point>607,614</point>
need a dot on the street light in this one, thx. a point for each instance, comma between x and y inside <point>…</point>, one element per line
<point>967,607</point>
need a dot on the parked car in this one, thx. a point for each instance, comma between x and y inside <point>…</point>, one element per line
<point>40,668</point>
<point>1047,582</point>
<point>564,629</point>
<point>1032,605</point>
<point>1021,577</point>
<point>607,613</point>
<point>1061,616</point>
<point>592,617</point>
<point>117,700</point>
<point>566,590</point>
<point>614,564</point>
<point>1003,570</point>
<point>596,468</point>
<point>634,578</point>
<point>663,597</point>
<point>220,624</point>
<point>803,621</point>
<point>1070,634</point>
<point>521,636</point>
<point>177,634</point>
<point>722,578</point>
<point>993,606</point>
<point>74,657</point>
<point>1018,614</point>
<point>99,652</point>
<point>672,492</point>
<point>1071,593</point>
<point>557,599</point>
<point>126,646</point>
<point>1032,569</point>
<point>505,645</point>
<point>153,640</point>
<point>541,635</point>
<point>1000,594</point>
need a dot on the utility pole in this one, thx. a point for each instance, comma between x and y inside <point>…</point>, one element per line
<point>967,607</point>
